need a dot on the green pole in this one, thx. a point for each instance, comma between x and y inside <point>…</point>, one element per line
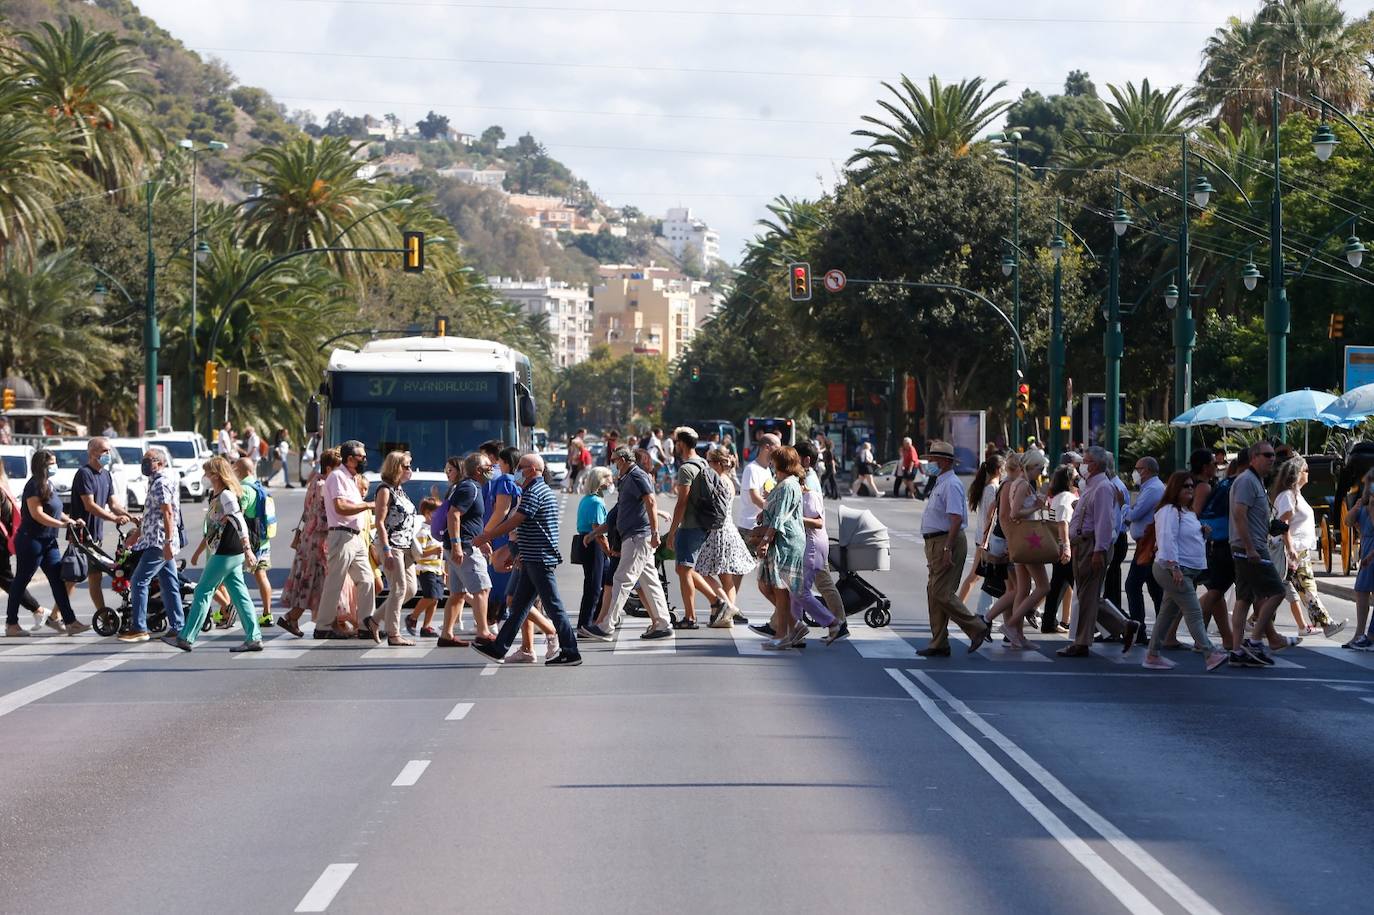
<point>1016,440</point>
<point>1057,352</point>
<point>1114,344</point>
<point>151,339</point>
<point>1276,313</point>
<point>1185,331</point>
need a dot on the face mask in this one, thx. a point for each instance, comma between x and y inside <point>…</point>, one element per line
<point>1135,477</point>
<point>146,467</point>
<point>105,460</point>
<point>491,473</point>
<point>935,470</point>
<point>52,470</point>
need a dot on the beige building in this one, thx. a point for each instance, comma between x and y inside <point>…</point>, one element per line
<point>569,310</point>
<point>650,310</point>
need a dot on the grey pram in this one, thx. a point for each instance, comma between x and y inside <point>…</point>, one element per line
<point>863,545</point>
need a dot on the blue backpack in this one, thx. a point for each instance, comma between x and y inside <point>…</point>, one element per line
<point>1216,514</point>
<point>263,513</point>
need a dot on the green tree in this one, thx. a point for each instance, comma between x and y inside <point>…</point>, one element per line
<point>942,117</point>
<point>33,174</point>
<point>433,126</point>
<point>1043,120</point>
<point>1135,119</point>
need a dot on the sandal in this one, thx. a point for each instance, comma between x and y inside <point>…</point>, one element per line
<point>685,624</point>
<point>400,643</point>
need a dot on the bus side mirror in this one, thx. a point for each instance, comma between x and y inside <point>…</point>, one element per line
<point>527,410</point>
<point>312,415</point>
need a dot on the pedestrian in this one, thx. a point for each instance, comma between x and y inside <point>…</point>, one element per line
<point>395,515</point>
<point>864,468</point>
<point>305,581</point>
<point>817,563</point>
<point>946,548</point>
<point>574,464</point>
<point>160,539</point>
<point>281,452</point>
<point>500,493</point>
<point>1258,582</point>
<point>9,533</point>
<point>228,449</point>
<point>982,499</point>
<point>1298,540</point>
<point>830,484</point>
<point>755,480</point>
<point>688,529</point>
<point>429,571</point>
<point>1180,561</point>
<point>612,443</point>
<point>6,435</point>
<point>782,549</point>
<point>1360,518</point>
<point>1026,502</point>
<point>469,579</point>
<point>1111,584</point>
<point>35,545</point>
<point>1063,497</point>
<point>260,511</point>
<point>907,463</point>
<point>637,526</point>
<point>595,550</point>
<point>346,553</point>
<point>728,443</point>
<point>724,555</point>
<point>1013,470</point>
<point>1140,516</point>
<point>231,551</point>
<point>1092,535</point>
<point>536,520</point>
<point>93,502</point>
<point>252,445</point>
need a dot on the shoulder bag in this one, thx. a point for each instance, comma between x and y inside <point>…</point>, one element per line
<point>1031,540</point>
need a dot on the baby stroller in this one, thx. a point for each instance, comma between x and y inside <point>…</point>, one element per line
<point>862,546</point>
<point>107,622</point>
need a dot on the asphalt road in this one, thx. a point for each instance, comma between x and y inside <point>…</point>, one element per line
<point>702,776</point>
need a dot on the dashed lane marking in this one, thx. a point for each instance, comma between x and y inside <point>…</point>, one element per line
<point>318,898</point>
<point>411,773</point>
<point>460,711</point>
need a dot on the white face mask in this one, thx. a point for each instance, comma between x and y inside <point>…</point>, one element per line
<point>1135,477</point>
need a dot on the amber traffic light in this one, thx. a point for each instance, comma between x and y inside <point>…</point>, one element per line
<point>413,252</point>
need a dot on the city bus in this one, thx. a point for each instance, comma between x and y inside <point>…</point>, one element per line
<point>432,396</point>
<point>755,426</point>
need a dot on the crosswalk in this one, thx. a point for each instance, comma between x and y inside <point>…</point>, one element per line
<point>887,644</point>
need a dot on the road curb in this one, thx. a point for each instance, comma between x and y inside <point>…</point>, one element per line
<point>1332,589</point>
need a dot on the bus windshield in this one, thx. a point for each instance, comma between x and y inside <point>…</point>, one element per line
<point>432,416</point>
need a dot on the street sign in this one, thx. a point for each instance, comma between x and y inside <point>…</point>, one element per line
<point>1065,424</point>
<point>834,280</point>
<point>1359,366</point>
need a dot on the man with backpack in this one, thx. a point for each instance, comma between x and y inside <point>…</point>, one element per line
<point>260,511</point>
<point>703,505</point>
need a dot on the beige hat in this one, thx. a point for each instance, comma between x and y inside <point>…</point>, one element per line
<point>939,449</point>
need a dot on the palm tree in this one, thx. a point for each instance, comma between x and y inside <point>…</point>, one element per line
<point>1135,119</point>
<point>310,196</point>
<point>51,330</point>
<point>1303,47</point>
<point>947,118</point>
<point>83,82</point>
<point>32,174</point>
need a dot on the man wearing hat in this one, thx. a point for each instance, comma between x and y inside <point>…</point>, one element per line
<point>942,527</point>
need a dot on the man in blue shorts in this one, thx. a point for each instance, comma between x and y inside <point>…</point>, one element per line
<point>686,533</point>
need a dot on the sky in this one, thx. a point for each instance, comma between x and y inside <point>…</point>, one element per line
<point>661,103</point>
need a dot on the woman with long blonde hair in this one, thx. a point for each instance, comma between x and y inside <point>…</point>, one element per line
<point>1025,502</point>
<point>226,536</point>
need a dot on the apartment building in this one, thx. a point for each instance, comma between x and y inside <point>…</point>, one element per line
<point>569,310</point>
<point>683,231</point>
<point>648,310</point>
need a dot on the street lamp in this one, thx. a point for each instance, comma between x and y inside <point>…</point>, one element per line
<point>202,252</point>
<point>1202,192</point>
<point>99,293</point>
<point>1008,264</point>
<point>1057,247</point>
<point>1121,221</point>
<point>1324,142</point>
<point>1354,251</point>
<point>1251,276</point>
<point>1171,297</point>
<point>1012,270</point>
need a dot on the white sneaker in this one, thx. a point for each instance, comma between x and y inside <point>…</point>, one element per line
<point>520,656</point>
<point>40,617</point>
<point>551,649</point>
<point>1329,630</point>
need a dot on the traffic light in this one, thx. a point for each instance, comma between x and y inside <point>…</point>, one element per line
<point>7,402</point>
<point>440,327</point>
<point>696,373</point>
<point>210,387</point>
<point>1022,400</point>
<point>800,279</point>
<point>413,248</point>
<point>1336,329</point>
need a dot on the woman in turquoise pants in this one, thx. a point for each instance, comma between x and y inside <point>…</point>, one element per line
<point>226,537</point>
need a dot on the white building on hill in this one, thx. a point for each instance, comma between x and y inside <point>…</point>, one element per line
<point>569,310</point>
<point>682,230</point>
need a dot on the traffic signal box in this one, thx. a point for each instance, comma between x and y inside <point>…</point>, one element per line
<point>1022,401</point>
<point>799,280</point>
<point>1336,328</point>
<point>7,400</point>
<point>413,252</point>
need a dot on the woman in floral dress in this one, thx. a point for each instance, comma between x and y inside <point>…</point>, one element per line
<point>306,579</point>
<point>724,555</point>
<point>783,549</point>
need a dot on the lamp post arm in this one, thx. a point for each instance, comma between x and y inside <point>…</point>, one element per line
<point>1327,106</point>
<point>1154,285</point>
<point>176,249</point>
<point>1248,251</point>
<point>1223,173</point>
<point>382,209</point>
<point>1316,249</point>
<point>1022,253</point>
<point>117,284</point>
<point>1081,240</point>
<point>951,287</point>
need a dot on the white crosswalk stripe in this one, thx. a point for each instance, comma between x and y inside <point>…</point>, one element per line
<point>627,638</point>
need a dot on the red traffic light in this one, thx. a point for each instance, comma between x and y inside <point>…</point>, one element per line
<point>1024,389</point>
<point>799,272</point>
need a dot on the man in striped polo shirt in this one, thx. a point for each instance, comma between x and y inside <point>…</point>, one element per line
<point>537,520</point>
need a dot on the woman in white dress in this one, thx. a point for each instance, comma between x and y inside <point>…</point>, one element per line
<point>1297,544</point>
<point>982,496</point>
<point>724,555</point>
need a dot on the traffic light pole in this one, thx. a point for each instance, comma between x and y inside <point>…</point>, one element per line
<point>1113,342</point>
<point>1016,359</point>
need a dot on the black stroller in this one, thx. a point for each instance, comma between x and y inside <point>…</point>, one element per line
<point>107,622</point>
<point>862,546</point>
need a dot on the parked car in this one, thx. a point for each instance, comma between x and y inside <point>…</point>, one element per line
<point>16,459</point>
<point>555,465</point>
<point>128,454</point>
<point>189,452</point>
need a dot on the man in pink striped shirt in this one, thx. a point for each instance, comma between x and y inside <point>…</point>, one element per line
<point>1092,534</point>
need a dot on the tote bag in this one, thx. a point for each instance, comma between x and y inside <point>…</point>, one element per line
<point>1031,541</point>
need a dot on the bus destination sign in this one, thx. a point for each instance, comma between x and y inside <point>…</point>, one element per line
<point>364,387</point>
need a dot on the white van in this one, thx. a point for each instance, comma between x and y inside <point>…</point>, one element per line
<point>189,452</point>
<point>16,460</point>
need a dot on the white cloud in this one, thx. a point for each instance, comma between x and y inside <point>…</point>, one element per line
<point>401,60</point>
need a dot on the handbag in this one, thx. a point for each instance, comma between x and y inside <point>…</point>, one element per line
<point>1032,541</point>
<point>1145,547</point>
<point>577,554</point>
<point>753,539</point>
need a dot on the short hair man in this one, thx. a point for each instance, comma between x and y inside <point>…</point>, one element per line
<point>946,547</point>
<point>94,501</point>
<point>686,535</point>
<point>344,553</point>
<point>756,479</point>
<point>637,523</point>
<point>262,547</point>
